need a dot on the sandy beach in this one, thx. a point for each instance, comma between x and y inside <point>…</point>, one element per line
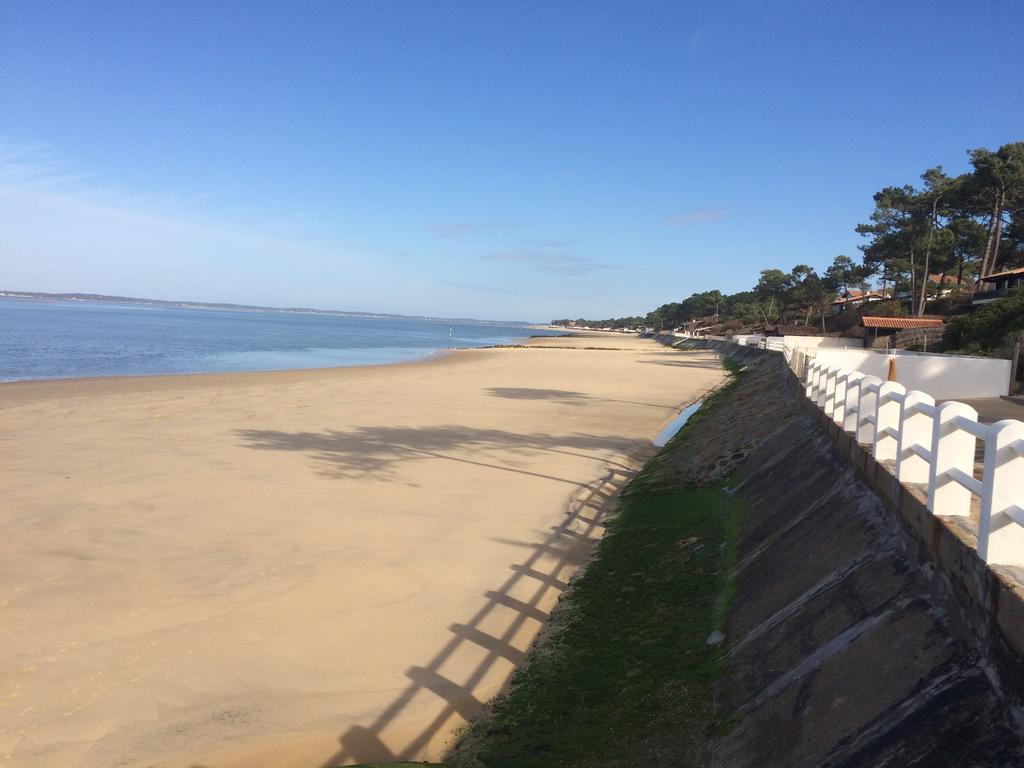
<point>302,568</point>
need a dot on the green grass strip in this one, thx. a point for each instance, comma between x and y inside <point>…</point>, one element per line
<point>627,675</point>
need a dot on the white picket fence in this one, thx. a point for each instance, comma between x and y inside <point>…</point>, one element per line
<point>934,445</point>
<point>748,340</point>
<point>772,344</point>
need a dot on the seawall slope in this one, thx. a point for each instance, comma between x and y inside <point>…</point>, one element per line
<point>847,645</point>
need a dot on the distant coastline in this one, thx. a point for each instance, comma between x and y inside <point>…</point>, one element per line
<point>101,298</point>
<point>47,336</point>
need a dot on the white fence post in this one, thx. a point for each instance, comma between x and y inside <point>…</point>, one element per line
<point>823,374</point>
<point>952,449</point>
<point>866,409</point>
<point>812,380</point>
<point>934,445</point>
<point>887,420</point>
<point>826,393</point>
<point>839,398</point>
<point>1001,526</point>
<point>914,446</point>
<point>850,409</point>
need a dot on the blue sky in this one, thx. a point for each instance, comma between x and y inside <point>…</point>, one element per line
<point>499,160</point>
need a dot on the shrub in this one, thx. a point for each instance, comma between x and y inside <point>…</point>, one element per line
<point>886,308</point>
<point>986,328</point>
<point>951,304</point>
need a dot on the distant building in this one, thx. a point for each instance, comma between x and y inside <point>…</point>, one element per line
<point>876,328</point>
<point>854,298</point>
<point>1002,282</point>
<point>791,330</point>
<point>947,284</point>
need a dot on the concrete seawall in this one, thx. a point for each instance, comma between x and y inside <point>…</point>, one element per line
<point>864,631</point>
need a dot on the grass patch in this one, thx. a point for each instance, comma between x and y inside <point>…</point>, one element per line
<point>626,675</point>
<point>653,475</point>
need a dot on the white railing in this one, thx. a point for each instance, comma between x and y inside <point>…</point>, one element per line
<point>933,445</point>
<point>748,339</point>
<point>774,344</point>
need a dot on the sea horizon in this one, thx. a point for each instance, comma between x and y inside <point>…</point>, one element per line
<point>227,306</point>
<point>43,338</point>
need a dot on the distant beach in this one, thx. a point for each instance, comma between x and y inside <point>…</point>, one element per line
<point>302,568</point>
<point>44,338</point>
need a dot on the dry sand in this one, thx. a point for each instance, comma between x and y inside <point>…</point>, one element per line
<point>306,567</point>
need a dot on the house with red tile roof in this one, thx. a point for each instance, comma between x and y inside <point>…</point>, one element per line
<point>876,328</point>
<point>854,298</point>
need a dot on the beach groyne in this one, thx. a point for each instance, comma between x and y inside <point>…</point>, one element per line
<point>864,630</point>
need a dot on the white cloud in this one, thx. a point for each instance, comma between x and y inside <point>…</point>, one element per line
<point>548,242</point>
<point>546,261</point>
<point>36,165</point>
<point>695,217</point>
<point>457,229</point>
<point>64,231</point>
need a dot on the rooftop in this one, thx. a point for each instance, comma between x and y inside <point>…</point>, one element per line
<point>854,295</point>
<point>900,323</point>
<point>945,279</point>
<point>1004,273</point>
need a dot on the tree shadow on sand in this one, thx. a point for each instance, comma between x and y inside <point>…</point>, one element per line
<point>711,365</point>
<point>567,397</point>
<point>532,393</point>
<point>376,452</point>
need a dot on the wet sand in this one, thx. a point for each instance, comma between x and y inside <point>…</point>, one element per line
<point>302,568</point>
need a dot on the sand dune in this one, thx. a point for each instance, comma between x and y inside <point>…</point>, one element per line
<point>302,568</point>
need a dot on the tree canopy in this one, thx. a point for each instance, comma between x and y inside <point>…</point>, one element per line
<point>919,241</point>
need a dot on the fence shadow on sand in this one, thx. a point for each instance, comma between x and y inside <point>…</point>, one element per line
<point>483,651</point>
<point>523,601</point>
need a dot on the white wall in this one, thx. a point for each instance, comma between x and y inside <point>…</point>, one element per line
<point>821,342</point>
<point>748,340</point>
<point>944,377</point>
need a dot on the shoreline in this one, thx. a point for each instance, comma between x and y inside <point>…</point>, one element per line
<point>19,387</point>
<point>292,567</point>
<point>375,339</point>
<point>215,378</point>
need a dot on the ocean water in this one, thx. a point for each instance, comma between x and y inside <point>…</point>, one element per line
<point>62,339</point>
